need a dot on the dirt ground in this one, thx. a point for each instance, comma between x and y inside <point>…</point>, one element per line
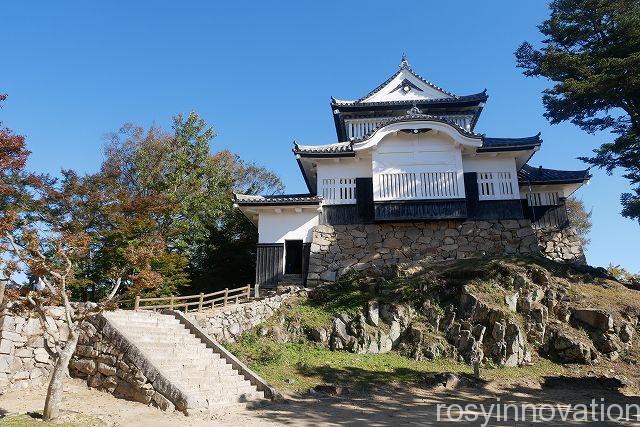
<point>390,406</point>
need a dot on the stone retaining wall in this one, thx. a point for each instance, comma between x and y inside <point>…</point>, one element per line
<point>561,245</point>
<point>109,362</point>
<point>26,348</point>
<point>225,324</point>
<point>336,250</point>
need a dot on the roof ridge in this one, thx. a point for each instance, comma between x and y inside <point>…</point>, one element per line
<point>337,102</point>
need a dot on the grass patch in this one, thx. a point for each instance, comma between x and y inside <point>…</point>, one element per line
<point>26,420</point>
<point>309,365</point>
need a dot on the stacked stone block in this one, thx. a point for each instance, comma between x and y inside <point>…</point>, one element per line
<point>227,323</point>
<point>561,245</point>
<point>26,348</point>
<point>339,249</point>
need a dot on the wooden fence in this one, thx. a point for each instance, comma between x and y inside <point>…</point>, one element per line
<point>195,302</point>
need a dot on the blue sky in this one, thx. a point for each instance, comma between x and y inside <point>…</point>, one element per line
<point>262,73</point>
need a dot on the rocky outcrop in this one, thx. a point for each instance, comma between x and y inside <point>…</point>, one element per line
<point>377,331</point>
<point>421,343</point>
<point>568,346</point>
<point>339,249</point>
<point>488,331</point>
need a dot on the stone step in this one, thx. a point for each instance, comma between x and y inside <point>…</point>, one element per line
<point>148,325</point>
<point>185,360</point>
<point>198,364</point>
<point>209,369</point>
<point>207,379</point>
<point>164,356</point>
<point>142,321</point>
<point>212,378</point>
<point>191,362</point>
<point>220,389</point>
<point>168,340</point>
<point>139,315</point>
<point>176,348</point>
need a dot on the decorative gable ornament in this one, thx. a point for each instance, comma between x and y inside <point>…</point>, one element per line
<point>414,111</point>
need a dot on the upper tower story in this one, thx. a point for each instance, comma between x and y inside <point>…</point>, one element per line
<point>403,90</point>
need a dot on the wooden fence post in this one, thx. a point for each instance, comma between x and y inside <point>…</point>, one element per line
<point>171,303</point>
<point>248,291</point>
<point>226,295</point>
<point>137,303</point>
<point>200,302</point>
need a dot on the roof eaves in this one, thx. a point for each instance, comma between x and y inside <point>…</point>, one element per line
<point>479,97</point>
<point>277,200</point>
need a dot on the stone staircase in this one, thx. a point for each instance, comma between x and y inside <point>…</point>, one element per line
<point>208,380</point>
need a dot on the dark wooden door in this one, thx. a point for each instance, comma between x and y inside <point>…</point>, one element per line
<point>293,257</point>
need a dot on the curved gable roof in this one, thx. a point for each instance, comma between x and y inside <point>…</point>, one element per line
<point>414,81</point>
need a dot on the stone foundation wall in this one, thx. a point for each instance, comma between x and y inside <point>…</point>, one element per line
<point>561,245</point>
<point>336,250</point>
<point>26,348</point>
<point>225,324</point>
<point>110,363</point>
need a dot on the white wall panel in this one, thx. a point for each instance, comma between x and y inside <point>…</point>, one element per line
<point>287,225</point>
<point>402,156</point>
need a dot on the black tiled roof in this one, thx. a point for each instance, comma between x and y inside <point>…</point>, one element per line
<point>488,144</point>
<point>346,148</point>
<point>506,144</point>
<point>278,199</point>
<point>532,175</point>
<point>339,147</point>
<point>479,97</point>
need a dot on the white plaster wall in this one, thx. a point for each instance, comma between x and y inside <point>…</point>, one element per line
<point>287,225</point>
<point>415,153</point>
<point>491,163</point>
<point>345,168</point>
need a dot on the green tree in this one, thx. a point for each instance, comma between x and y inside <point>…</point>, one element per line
<point>580,219</point>
<point>623,276</point>
<point>227,258</point>
<point>177,171</point>
<point>177,167</point>
<point>591,51</point>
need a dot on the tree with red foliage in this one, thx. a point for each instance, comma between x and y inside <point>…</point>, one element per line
<point>13,156</point>
<point>48,227</point>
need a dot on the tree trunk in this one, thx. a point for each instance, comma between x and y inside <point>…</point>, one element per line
<point>3,285</point>
<point>56,384</point>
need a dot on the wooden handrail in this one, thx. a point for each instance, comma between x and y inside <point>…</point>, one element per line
<point>221,299</point>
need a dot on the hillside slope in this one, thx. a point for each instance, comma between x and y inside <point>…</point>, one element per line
<point>509,312</point>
